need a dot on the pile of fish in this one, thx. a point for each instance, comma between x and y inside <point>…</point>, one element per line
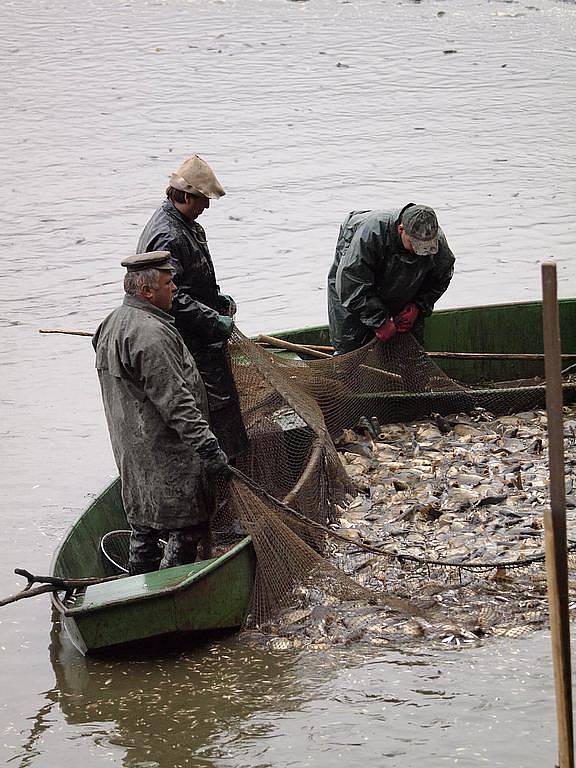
<point>457,491</point>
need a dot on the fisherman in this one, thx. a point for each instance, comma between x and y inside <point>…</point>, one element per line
<point>389,270</point>
<point>203,315</point>
<point>157,414</point>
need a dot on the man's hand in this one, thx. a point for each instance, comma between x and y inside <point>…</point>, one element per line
<point>216,465</point>
<point>405,319</point>
<point>225,326</point>
<point>229,307</point>
<point>386,331</point>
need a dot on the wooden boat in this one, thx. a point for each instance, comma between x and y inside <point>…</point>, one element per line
<point>497,342</point>
<point>493,343</point>
<point>175,604</point>
<point>496,350</point>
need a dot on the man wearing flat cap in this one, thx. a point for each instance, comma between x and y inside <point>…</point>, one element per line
<point>156,408</point>
<point>202,313</point>
<point>390,269</point>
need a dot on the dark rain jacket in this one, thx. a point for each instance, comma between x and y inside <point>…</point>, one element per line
<point>196,308</point>
<point>373,277</point>
<point>156,409</point>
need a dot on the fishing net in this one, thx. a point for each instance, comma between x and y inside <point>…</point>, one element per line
<point>291,485</point>
<point>398,381</point>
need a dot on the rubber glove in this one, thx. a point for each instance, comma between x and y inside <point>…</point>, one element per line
<point>229,305</point>
<point>386,331</point>
<point>217,464</point>
<point>225,326</point>
<point>405,319</point>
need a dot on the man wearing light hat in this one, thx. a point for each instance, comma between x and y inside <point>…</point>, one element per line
<point>202,313</point>
<point>389,270</point>
<point>156,408</point>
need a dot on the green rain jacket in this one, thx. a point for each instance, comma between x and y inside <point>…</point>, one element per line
<point>156,409</point>
<point>373,277</point>
<point>196,308</point>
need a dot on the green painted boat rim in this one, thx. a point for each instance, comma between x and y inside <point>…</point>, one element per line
<point>195,575</point>
<point>69,533</point>
<point>507,304</point>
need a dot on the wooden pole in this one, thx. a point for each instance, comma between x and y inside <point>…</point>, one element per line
<point>311,348</point>
<point>493,356</point>
<point>304,349</point>
<point>555,523</point>
<point>326,349</point>
<point>63,330</point>
<point>281,344</point>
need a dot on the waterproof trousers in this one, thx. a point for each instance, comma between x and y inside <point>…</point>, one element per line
<point>149,553</point>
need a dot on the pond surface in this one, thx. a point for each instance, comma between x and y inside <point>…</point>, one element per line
<point>306,110</point>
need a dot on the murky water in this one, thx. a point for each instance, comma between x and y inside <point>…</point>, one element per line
<point>306,110</point>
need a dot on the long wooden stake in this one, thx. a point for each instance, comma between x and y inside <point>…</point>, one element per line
<point>282,344</point>
<point>306,350</point>
<point>311,348</point>
<point>67,332</point>
<point>555,523</point>
<point>272,341</point>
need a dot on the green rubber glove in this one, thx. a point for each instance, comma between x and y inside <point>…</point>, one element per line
<point>228,304</point>
<point>225,326</point>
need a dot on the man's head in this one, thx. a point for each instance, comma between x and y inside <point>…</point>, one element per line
<point>149,276</point>
<point>418,230</point>
<point>192,187</point>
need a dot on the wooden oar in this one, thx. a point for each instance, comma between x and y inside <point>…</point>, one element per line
<point>311,348</point>
<point>324,350</point>
<point>555,523</point>
<point>290,346</point>
<point>63,330</point>
<point>304,349</point>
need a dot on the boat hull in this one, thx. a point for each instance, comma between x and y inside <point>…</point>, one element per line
<point>499,328</point>
<point>214,595</point>
<point>182,603</point>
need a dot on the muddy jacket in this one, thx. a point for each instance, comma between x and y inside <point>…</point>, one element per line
<point>156,409</point>
<point>196,308</point>
<point>373,277</point>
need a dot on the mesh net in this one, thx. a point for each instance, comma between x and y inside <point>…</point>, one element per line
<point>397,381</point>
<point>291,486</point>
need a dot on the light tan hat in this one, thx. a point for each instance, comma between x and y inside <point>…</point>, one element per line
<point>197,178</point>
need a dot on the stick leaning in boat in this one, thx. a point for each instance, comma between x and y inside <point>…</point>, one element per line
<point>51,584</point>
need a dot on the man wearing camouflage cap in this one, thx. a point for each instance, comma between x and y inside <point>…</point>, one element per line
<point>389,270</point>
<point>156,409</point>
<point>202,313</point>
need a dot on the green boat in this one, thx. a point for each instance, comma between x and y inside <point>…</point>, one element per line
<point>497,342</point>
<point>479,344</point>
<point>176,604</point>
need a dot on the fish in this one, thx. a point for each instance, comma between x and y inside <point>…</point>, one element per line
<point>469,490</point>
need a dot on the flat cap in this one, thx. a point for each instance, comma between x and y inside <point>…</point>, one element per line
<point>152,260</point>
<point>197,178</point>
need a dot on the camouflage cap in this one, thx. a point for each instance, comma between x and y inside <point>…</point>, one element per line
<point>421,226</point>
<point>152,260</point>
<point>197,178</point>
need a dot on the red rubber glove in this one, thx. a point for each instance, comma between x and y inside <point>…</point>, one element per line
<point>405,319</point>
<point>386,331</point>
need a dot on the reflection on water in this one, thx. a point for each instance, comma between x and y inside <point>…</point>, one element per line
<point>168,710</point>
<point>306,110</point>
<point>230,704</point>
